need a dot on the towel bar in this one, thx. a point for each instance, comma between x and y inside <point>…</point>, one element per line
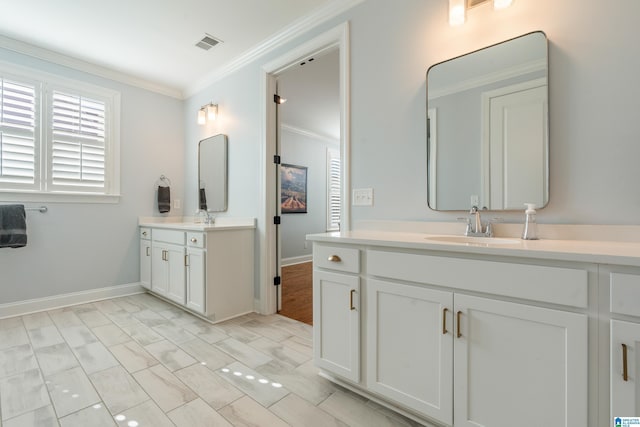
<point>41,209</point>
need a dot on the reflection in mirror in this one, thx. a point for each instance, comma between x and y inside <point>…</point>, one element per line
<point>487,127</point>
<point>212,174</point>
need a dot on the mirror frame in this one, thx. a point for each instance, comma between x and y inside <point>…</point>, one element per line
<point>431,127</point>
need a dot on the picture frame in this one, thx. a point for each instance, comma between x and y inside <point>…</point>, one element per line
<point>293,189</point>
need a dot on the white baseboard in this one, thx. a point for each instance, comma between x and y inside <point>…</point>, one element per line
<point>296,260</point>
<point>20,308</point>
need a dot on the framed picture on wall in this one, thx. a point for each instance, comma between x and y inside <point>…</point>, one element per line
<point>293,189</point>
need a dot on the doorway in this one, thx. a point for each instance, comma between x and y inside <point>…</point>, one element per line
<point>335,40</point>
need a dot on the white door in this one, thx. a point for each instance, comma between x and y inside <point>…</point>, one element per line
<point>625,344</point>
<point>196,280</point>
<point>336,323</point>
<point>145,263</point>
<point>410,346</point>
<point>515,170</point>
<point>175,259</point>
<point>518,365</point>
<point>159,269</point>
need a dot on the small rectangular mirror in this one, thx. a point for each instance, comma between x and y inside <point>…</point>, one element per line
<point>212,174</point>
<point>487,127</point>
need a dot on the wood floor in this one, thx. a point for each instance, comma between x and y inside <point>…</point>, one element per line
<point>297,300</point>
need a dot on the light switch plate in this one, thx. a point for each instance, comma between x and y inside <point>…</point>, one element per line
<point>362,197</point>
<point>176,203</point>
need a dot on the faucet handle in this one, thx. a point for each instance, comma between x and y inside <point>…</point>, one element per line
<point>473,210</point>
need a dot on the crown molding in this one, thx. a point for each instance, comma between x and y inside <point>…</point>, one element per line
<point>80,65</point>
<point>309,134</point>
<point>290,32</point>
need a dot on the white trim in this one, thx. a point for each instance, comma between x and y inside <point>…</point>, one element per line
<point>78,64</point>
<point>336,37</point>
<point>294,260</point>
<point>20,308</point>
<point>309,134</point>
<point>432,115</point>
<point>28,196</point>
<point>496,76</point>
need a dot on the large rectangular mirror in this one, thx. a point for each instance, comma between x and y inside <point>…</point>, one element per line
<point>487,127</point>
<point>212,174</point>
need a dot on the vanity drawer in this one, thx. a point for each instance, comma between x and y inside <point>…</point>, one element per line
<point>336,258</point>
<point>195,240</point>
<point>625,294</point>
<point>145,233</point>
<point>557,285</point>
<point>169,236</point>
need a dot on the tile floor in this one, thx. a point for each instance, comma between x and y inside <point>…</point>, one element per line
<point>139,361</point>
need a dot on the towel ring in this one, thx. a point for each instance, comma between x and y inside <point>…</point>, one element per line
<point>165,180</point>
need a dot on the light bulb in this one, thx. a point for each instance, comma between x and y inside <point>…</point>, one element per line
<point>212,111</point>
<point>202,118</point>
<point>456,12</point>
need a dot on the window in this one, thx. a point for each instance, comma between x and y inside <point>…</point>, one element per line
<point>59,139</point>
<point>333,190</point>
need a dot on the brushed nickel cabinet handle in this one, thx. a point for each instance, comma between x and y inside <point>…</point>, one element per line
<point>147,251</point>
<point>625,373</point>
<point>351,307</point>
<point>444,321</point>
<point>186,260</point>
<point>334,258</point>
<point>194,240</point>
<point>458,317</point>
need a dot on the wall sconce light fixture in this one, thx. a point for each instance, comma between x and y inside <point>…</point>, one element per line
<point>458,9</point>
<point>207,112</point>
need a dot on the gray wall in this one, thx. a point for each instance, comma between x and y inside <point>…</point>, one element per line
<point>83,246</point>
<point>310,152</point>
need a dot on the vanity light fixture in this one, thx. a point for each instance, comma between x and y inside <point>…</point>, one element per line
<point>207,112</point>
<point>457,12</point>
<point>458,9</point>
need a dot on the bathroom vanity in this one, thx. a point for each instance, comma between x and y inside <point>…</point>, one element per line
<point>205,268</point>
<point>479,332</point>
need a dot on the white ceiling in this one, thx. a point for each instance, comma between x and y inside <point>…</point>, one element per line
<point>154,40</point>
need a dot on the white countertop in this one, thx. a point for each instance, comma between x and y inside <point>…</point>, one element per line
<point>591,251</point>
<point>177,223</point>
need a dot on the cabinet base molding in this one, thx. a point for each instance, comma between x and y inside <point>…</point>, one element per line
<point>20,308</point>
<point>198,315</point>
<point>380,401</point>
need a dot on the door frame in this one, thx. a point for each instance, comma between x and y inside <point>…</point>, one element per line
<point>338,37</point>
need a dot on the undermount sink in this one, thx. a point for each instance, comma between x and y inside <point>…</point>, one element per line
<point>480,241</point>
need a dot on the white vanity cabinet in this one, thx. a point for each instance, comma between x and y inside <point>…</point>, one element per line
<point>336,311</point>
<point>625,344</point>
<point>208,270</point>
<point>461,341</point>
<point>145,257</point>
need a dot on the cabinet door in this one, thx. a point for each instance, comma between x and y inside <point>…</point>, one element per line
<point>196,280</point>
<point>624,388</point>
<point>410,346</point>
<point>336,323</point>
<point>159,269</point>
<point>518,362</point>
<point>176,262</point>
<point>145,263</point>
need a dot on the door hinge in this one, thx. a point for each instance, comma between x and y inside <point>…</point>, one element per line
<point>276,220</point>
<point>276,159</point>
<point>276,281</point>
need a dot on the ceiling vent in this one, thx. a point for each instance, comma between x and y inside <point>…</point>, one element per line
<point>208,42</point>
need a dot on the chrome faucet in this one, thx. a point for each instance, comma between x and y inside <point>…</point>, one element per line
<point>475,228</point>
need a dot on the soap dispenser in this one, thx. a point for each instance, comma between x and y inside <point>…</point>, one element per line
<point>530,231</point>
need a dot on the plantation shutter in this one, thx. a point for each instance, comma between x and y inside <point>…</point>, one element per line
<point>19,135</point>
<point>333,193</point>
<point>77,147</point>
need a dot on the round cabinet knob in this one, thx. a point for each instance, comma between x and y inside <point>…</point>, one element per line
<point>194,240</point>
<point>334,258</point>
<point>144,233</point>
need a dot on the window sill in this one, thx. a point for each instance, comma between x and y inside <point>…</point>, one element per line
<point>25,197</point>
